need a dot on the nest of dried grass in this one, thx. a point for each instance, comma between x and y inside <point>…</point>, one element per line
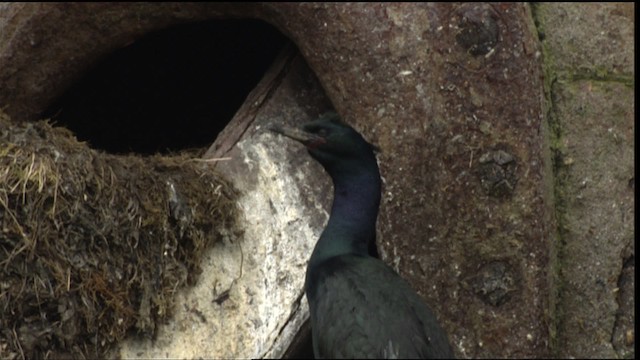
<point>94,245</point>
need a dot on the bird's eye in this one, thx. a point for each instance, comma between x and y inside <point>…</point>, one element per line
<point>322,132</point>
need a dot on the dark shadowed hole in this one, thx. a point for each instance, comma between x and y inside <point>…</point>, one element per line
<point>173,89</point>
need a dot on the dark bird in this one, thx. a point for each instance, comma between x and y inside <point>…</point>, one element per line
<point>360,307</point>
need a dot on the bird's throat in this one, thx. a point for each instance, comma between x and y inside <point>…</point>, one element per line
<point>352,223</point>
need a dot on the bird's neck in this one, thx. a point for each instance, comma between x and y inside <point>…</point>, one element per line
<point>352,224</point>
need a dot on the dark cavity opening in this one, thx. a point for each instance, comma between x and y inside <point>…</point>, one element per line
<point>171,90</point>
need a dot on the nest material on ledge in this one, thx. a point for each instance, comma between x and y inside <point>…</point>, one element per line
<point>94,245</point>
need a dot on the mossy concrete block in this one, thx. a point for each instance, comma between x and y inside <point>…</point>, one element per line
<point>589,61</point>
<point>596,192</point>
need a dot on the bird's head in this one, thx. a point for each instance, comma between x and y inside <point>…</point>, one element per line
<point>331,142</point>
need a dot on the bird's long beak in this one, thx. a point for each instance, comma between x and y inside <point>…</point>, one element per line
<point>298,134</point>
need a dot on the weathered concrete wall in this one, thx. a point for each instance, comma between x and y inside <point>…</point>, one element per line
<point>590,72</point>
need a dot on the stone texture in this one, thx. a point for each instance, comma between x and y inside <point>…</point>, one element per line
<point>624,328</point>
<point>597,120</point>
<point>589,39</point>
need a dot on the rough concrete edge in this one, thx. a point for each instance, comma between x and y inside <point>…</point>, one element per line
<point>299,314</point>
<point>550,153</point>
<point>549,186</point>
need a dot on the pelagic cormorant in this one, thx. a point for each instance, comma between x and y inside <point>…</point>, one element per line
<point>360,308</point>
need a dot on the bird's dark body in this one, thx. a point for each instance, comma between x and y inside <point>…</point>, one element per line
<point>365,310</point>
<point>360,308</point>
